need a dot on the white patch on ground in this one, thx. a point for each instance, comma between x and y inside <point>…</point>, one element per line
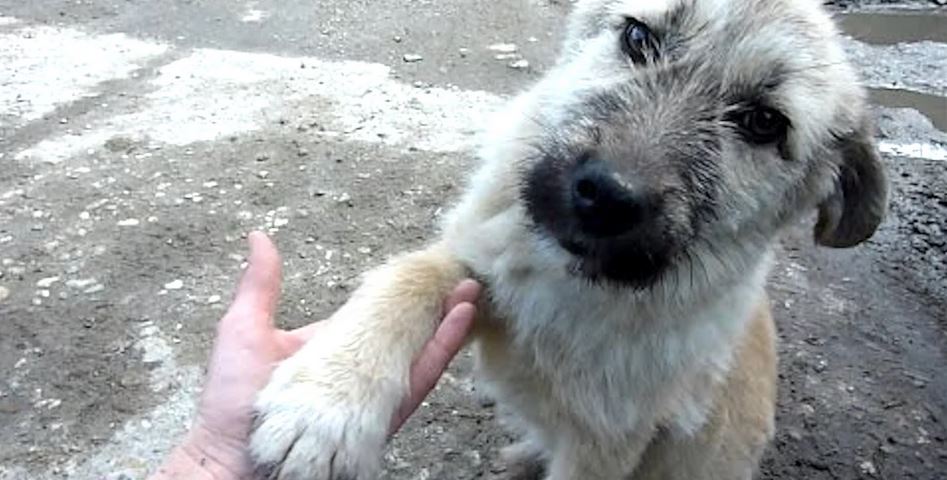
<point>215,93</point>
<point>924,151</point>
<point>918,66</point>
<point>4,21</point>
<point>253,14</point>
<point>137,446</point>
<point>43,67</point>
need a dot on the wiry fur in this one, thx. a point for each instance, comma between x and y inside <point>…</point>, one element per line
<point>669,374</point>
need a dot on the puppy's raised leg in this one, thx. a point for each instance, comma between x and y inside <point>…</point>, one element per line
<point>326,411</point>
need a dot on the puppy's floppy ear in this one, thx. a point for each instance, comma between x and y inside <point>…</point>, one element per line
<point>853,211</point>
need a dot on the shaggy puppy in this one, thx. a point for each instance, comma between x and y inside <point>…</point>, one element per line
<point>623,222</point>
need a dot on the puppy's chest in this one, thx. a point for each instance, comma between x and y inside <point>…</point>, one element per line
<point>566,349</point>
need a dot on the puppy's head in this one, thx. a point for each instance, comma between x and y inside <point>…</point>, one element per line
<point>674,129</point>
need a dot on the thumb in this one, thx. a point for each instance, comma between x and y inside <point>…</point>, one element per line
<point>259,289</point>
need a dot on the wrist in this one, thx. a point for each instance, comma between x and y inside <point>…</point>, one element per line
<point>201,456</point>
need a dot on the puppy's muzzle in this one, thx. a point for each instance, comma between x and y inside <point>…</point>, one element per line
<point>606,206</point>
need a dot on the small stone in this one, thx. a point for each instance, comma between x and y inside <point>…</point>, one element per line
<point>463,52</point>
<point>84,216</point>
<point>80,283</point>
<point>302,152</point>
<point>503,47</point>
<point>263,174</point>
<point>397,38</point>
<point>4,293</point>
<point>521,64</point>
<point>412,58</point>
<point>94,288</point>
<point>174,285</point>
<point>868,468</point>
<point>280,222</point>
<point>129,222</point>
<point>473,457</point>
<point>47,282</point>
<point>211,300</point>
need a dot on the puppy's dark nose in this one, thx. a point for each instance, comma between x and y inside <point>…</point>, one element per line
<point>605,207</point>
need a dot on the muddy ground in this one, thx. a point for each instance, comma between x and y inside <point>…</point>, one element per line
<point>139,141</point>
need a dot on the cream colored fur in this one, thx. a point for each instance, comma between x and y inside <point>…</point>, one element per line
<point>673,382</point>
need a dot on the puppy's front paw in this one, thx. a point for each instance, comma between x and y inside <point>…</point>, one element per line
<point>313,425</point>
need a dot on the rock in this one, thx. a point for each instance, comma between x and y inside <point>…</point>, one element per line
<point>4,293</point>
<point>80,283</point>
<point>174,285</point>
<point>129,222</point>
<point>412,58</point>
<point>521,64</point>
<point>211,300</point>
<point>503,48</point>
<point>868,468</point>
<point>47,282</point>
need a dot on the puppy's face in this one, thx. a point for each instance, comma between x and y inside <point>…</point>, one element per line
<point>675,130</point>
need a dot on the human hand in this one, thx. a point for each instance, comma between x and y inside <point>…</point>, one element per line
<point>248,347</point>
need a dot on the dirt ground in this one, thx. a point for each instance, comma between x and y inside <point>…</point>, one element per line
<point>139,141</point>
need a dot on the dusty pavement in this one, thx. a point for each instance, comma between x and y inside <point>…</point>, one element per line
<point>140,140</point>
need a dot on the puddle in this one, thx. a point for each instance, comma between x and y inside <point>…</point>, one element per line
<point>932,106</point>
<point>887,28</point>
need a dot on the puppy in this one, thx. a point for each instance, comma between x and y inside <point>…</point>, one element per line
<point>623,221</point>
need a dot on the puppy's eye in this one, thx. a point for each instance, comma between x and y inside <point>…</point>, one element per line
<point>638,42</point>
<point>763,125</point>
